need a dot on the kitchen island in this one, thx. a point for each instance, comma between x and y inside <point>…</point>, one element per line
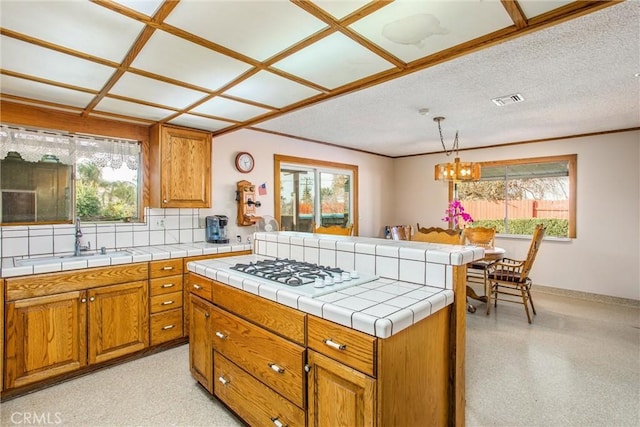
<point>386,352</point>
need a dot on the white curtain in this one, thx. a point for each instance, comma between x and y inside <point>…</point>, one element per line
<point>46,146</point>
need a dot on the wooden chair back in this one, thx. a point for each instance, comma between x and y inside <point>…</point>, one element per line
<point>479,236</point>
<point>536,240</point>
<point>437,235</point>
<point>333,229</point>
<point>401,232</point>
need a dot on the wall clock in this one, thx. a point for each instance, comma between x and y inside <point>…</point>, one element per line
<point>244,162</point>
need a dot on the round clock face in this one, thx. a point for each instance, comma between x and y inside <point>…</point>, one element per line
<point>244,162</point>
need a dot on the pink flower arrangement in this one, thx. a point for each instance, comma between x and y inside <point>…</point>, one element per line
<point>455,213</point>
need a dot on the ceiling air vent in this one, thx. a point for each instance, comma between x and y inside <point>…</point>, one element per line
<point>506,100</point>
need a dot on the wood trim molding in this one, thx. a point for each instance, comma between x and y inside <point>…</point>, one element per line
<point>278,159</point>
<point>32,116</point>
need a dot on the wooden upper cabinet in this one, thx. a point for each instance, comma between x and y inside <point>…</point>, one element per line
<point>180,167</point>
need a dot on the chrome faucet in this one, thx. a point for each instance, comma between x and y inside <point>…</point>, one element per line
<point>78,247</point>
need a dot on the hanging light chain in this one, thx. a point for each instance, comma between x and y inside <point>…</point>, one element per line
<point>455,140</point>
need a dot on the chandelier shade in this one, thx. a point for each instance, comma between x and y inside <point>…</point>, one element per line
<point>456,171</point>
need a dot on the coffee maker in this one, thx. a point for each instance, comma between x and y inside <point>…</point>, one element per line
<point>217,229</point>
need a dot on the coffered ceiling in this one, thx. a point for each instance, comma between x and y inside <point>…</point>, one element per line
<point>352,73</point>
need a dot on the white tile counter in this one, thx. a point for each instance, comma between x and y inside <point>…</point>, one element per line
<point>11,267</point>
<point>415,279</point>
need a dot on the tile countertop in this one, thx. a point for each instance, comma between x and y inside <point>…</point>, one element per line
<point>381,308</point>
<point>11,267</point>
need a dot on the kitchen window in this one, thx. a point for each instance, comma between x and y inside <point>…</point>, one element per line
<point>311,191</point>
<point>515,195</point>
<point>52,177</point>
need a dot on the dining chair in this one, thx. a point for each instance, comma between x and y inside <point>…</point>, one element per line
<point>436,235</point>
<point>333,229</point>
<point>510,278</point>
<point>401,232</point>
<point>477,271</point>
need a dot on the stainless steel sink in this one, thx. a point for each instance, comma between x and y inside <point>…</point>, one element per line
<point>66,258</point>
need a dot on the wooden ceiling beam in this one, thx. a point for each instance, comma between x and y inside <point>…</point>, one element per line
<point>515,12</point>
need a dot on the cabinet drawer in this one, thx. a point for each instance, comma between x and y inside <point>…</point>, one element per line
<point>276,317</point>
<point>165,285</point>
<point>200,286</point>
<point>166,302</point>
<point>272,359</point>
<point>256,403</point>
<point>348,346</point>
<point>166,267</point>
<point>166,326</point>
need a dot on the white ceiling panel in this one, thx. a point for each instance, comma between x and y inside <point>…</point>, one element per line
<point>340,8</point>
<point>189,62</point>
<point>229,109</point>
<point>258,29</point>
<point>193,121</point>
<point>333,61</point>
<point>413,29</point>
<point>35,61</point>
<point>154,91</point>
<point>99,31</point>
<point>576,69</point>
<point>148,7</point>
<point>269,89</point>
<point>30,89</point>
<point>559,71</point>
<point>533,8</point>
<point>117,106</point>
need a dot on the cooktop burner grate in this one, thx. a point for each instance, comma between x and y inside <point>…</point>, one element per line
<point>289,272</point>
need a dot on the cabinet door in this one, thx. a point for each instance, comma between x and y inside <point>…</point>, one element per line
<point>45,337</point>
<point>118,320</point>
<point>185,168</point>
<point>200,342</point>
<point>339,395</point>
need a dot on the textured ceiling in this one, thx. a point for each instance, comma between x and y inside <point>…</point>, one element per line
<point>348,73</point>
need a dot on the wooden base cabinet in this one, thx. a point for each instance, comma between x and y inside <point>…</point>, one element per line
<point>339,395</point>
<point>201,341</point>
<point>56,323</point>
<point>261,351</point>
<point>45,337</point>
<point>118,320</point>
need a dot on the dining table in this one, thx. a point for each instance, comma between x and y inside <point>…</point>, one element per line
<point>490,254</point>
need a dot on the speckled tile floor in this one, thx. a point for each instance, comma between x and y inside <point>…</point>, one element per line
<point>577,365</point>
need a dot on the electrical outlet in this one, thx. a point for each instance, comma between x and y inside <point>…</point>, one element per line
<point>160,222</point>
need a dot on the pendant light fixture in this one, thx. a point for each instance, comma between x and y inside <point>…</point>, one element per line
<point>456,171</point>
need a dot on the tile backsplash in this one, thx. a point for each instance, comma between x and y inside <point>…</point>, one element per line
<point>162,226</point>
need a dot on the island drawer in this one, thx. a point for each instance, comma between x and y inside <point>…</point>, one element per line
<point>348,346</point>
<point>166,302</point>
<point>256,403</point>
<point>272,359</point>
<point>276,317</point>
<point>165,285</point>
<point>165,267</point>
<point>166,326</point>
<point>200,286</point>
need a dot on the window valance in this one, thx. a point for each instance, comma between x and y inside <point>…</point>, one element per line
<point>47,146</point>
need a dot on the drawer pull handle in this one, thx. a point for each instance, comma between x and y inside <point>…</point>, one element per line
<point>196,286</point>
<point>277,422</point>
<point>168,285</point>
<point>335,345</point>
<point>276,368</point>
<point>221,335</point>
<point>167,302</point>
<point>167,268</point>
<point>164,328</point>
<point>223,380</point>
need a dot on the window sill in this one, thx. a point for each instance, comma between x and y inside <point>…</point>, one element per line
<point>528,237</point>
